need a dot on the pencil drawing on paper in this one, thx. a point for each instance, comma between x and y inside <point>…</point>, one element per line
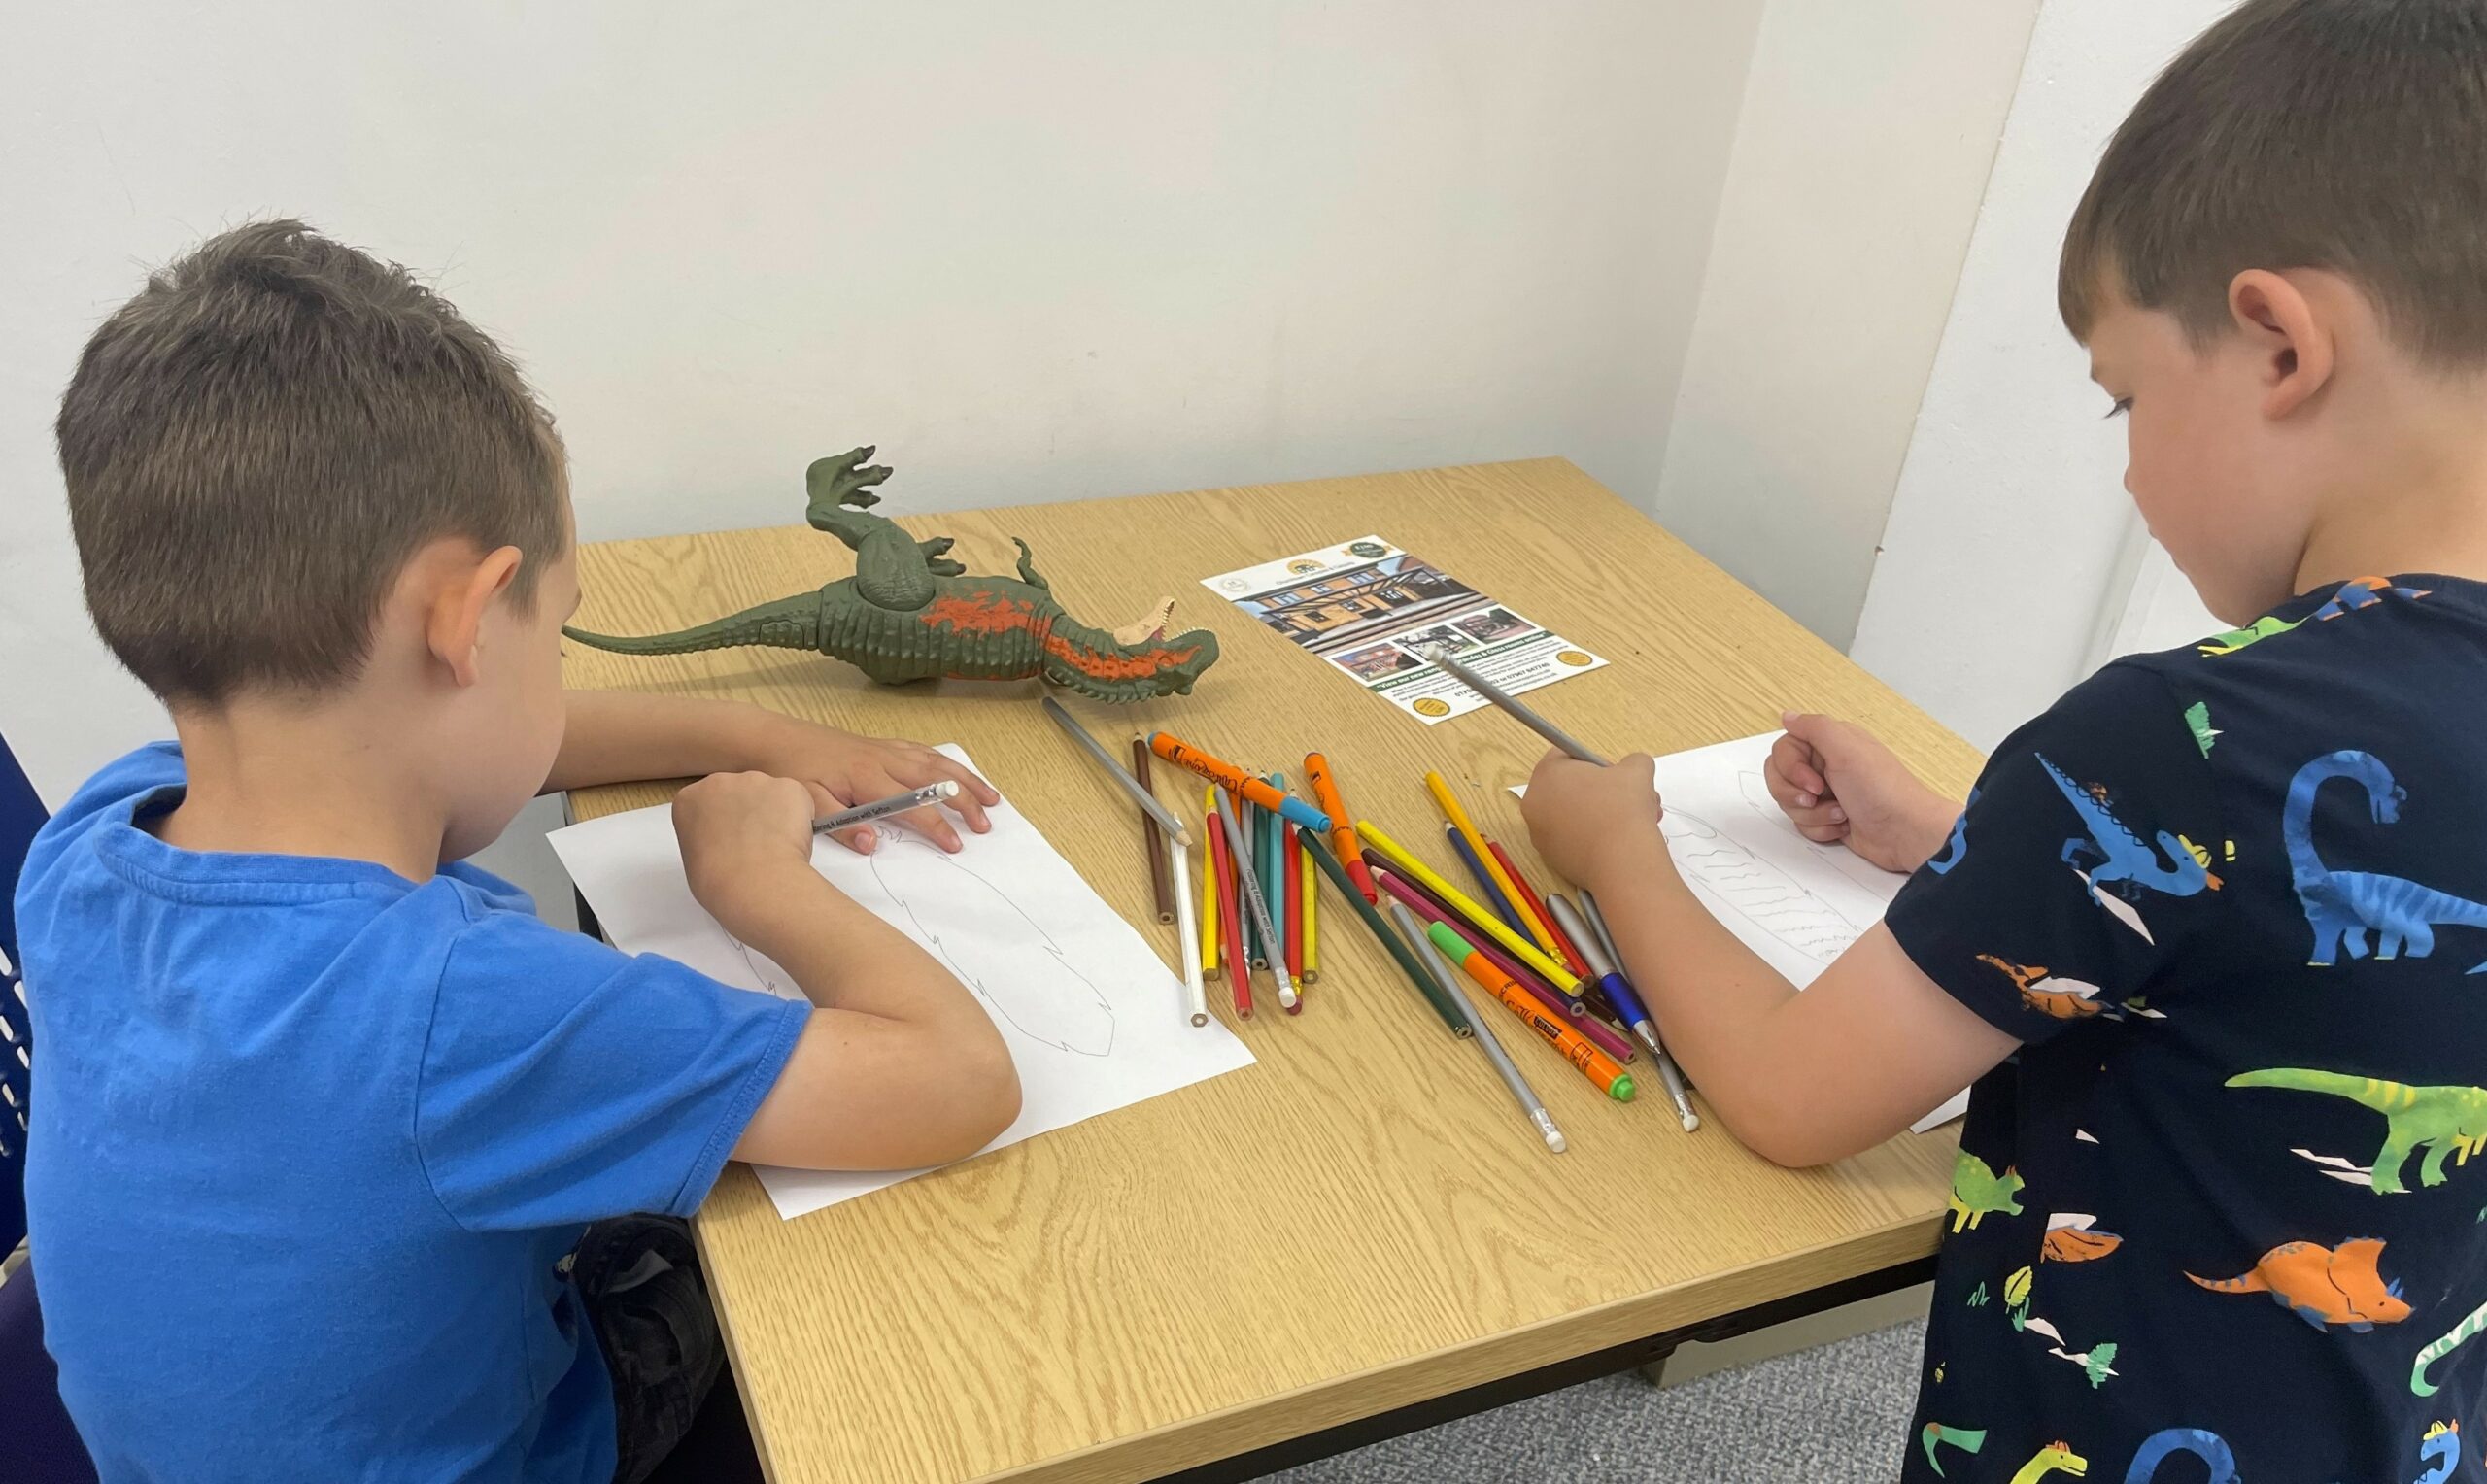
<point>1839,857</point>
<point>1765,895</point>
<point>995,948</point>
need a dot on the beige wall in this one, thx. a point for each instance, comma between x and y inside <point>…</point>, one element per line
<point>1861,151</point>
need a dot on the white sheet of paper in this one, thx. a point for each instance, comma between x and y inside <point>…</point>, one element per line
<point>1094,1019</point>
<point>1796,904</point>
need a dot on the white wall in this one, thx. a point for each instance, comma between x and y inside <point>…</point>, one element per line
<point>1034,252</point>
<point>2000,563</point>
<point>1861,151</point>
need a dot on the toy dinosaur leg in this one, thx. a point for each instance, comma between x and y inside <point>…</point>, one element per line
<point>842,481</point>
<point>935,561</point>
<point>1027,566</point>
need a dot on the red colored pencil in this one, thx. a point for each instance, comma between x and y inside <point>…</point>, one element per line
<point>1292,861</point>
<point>1230,927</point>
<point>1572,959</point>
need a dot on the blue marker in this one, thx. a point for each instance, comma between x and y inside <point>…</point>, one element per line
<point>1597,948</point>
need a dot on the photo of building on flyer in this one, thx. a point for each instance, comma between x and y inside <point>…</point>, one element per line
<point>1335,611</point>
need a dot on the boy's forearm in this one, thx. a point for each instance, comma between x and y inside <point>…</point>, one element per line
<point>622,736</point>
<point>843,956</point>
<point>1712,997</point>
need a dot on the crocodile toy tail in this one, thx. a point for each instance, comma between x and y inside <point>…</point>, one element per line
<point>788,622</point>
<point>1098,665</point>
<point>2418,1382</point>
<point>2369,1092</point>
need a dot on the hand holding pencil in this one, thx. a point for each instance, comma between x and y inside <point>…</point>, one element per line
<point>1588,821</point>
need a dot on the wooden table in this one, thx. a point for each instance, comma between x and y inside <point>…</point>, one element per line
<point>1359,1233</point>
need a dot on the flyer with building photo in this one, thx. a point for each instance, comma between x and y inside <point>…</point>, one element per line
<point>1374,611</point>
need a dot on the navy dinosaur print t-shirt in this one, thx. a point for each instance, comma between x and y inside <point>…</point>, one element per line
<point>2223,1216</point>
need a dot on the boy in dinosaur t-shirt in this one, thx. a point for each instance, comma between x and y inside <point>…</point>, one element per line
<point>2208,935</point>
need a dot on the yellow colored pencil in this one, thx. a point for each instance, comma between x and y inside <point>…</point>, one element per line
<point>1548,968</point>
<point>1312,902</point>
<point>1448,803</point>
<point>1209,893</point>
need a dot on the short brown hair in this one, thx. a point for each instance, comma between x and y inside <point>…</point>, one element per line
<point>2347,135</point>
<point>256,445</point>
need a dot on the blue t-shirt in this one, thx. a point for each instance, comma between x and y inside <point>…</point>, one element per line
<point>2223,1217</point>
<point>309,1142</point>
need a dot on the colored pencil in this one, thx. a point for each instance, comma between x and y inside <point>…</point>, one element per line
<point>1504,1068</point>
<point>1246,849</point>
<point>883,808</point>
<point>1161,878</point>
<point>1511,707</point>
<point>1235,781</point>
<point>1269,852</point>
<point>1291,855</point>
<point>1413,890</point>
<point>1381,931</point>
<point>1259,908</point>
<point>1577,1049</point>
<point>1607,1040</point>
<point>1187,932</point>
<point>1211,919</point>
<point>1095,749</point>
<point>1449,802</point>
<point>1392,853</point>
<point>1486,892</point>
<point>1239,958</point>
<point>1568,951</point>
<point>1670,1075</point>
<point>1312,889</point>
<point>1342,833</point>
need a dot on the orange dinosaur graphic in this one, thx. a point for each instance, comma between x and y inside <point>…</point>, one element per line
<point>2042,991</point>
<point>2324,1286</point>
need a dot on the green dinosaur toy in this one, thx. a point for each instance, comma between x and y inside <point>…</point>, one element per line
<point>1977,1190</point>
<point>910,612</point>
<point>2440,1120</point>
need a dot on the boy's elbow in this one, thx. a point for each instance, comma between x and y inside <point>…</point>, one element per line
<point>998,1104</point>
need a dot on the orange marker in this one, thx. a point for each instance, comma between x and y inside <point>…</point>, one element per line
<point>1235,781</point>
<point>1576,1048</point>
<point>1342,833</point>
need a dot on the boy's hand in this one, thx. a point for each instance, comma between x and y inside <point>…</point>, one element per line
<point>1585,818</point>
<point>850,770</point>
<point>740,834</point>
<point>1839,783</point>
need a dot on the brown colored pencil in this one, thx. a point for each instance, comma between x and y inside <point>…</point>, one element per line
<point>1161,874</point>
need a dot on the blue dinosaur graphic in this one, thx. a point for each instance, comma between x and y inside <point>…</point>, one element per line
<point>2124,863</point>
<point>2342,906</point>
<point>1956,849</point>
<point>2209,1447</point>
<point>2361,593</point>
<point>2442,1446</point>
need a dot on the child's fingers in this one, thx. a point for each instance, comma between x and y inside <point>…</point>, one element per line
<point>976,795</point>
<point>1823,833</point>
<point>1794,774</point>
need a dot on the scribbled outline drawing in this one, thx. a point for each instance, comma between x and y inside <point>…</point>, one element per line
<point>928,926</point>
<point>1759,892</point>
<point>1839,857</point>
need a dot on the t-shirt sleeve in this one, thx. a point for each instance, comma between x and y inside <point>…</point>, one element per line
<point>2086,863</point>
<point>565,1081</point>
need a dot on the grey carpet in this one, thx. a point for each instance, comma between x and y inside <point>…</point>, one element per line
<point>1828,1415</point>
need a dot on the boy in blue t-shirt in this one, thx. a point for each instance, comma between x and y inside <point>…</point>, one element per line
<point>2209,934</point>
<point>319,1115</point>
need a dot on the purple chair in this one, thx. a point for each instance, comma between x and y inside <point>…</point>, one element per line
<point>37,1441</point>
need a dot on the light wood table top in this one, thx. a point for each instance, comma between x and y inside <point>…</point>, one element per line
<point>1361,1220</point>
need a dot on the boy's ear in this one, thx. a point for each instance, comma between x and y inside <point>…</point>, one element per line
<point>454,624</point>
<point>2292,343</point>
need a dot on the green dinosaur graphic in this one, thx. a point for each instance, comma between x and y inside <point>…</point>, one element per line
<point>2440,1120</point>
<point>2197,719</point>
<point>2235,639</point>
<point>1977,1191</point>
<point>1966,1440</point>
<point>911,612</point>
<point>2052,1459</point>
